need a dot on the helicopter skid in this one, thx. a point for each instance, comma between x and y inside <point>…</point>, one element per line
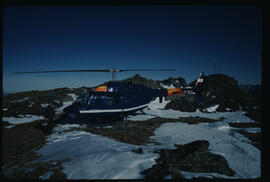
<point>109,115</point>
<point>113,111</point>
<point>88,118</point>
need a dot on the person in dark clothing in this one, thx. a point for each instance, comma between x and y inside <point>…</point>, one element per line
<point>199,88</point>
<point>49,115</point>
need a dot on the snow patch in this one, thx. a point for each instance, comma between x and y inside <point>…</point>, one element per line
<point>65,104</point>
<point>73,96</point>
<point>156,105</point>
<point>167,87</point>
<point>94,156</point>
<point>21,100</point>
<point>223,128</point>
<point>44,105</point>
<point>212,108</point>
<point>156,109</point>
<point>46,175</point>
<point>23,119</point>
<point>57,101</point>
<point>31,104</point>
<point>190,175</point>
<point>252,130</point>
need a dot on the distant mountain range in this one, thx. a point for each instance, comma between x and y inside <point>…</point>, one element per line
<point>255,90</point>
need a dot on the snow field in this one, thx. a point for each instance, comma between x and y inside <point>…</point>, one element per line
<point>156,109</point>
<point>97,157</point>
<point>23,119</point>
<point>94,156</point>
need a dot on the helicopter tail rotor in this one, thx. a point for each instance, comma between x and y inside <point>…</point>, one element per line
<point>196,90</point>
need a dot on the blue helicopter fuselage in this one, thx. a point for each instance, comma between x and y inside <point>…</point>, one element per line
<point>114,99</point>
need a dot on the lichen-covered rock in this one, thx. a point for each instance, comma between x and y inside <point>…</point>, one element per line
<point>193,157</point>
<point>138,151</point>
<point>221,90</point>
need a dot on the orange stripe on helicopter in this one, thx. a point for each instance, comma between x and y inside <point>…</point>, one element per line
<point>101,89</point>
<point>174,91</point>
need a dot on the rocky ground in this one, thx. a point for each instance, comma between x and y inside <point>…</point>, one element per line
<point>35,102</point>
<point>139,132</point>
<point>20,142</point>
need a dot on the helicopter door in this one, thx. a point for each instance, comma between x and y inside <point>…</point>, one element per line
<point>97,100</point>
<point>116,100</point>
<point>109,101</point>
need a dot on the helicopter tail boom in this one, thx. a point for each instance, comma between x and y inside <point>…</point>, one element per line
<point>174,91</point>
<point>101,89</point>
<point>188,90</point>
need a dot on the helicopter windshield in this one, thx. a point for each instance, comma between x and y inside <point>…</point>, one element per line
<point>83,99</point>
<point>104,100</point>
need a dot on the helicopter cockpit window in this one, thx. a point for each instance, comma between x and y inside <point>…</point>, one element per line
<point>90,99</point>
<point>97,100</point>
<point>83,99</point>
<point>103,100</point>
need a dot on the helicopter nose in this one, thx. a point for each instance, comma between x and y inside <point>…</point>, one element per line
<point>71,109</point>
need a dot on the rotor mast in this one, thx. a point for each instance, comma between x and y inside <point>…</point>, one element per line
<point>113,71</point>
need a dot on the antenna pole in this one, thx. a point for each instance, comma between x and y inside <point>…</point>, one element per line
<point>219,67</point>
<point>215,66</point>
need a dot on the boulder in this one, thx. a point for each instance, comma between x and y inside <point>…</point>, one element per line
<point>221,90</point>
<point>192,157</point>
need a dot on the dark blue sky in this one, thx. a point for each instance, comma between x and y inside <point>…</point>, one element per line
<point>186,38</point>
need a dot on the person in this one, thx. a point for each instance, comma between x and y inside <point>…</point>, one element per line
<point>49,115</point>
<point>199,88</point>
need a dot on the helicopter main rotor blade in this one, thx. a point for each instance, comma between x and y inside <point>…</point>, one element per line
<point>59,71</point>
<point>108,70</point>
<point>148,70</point>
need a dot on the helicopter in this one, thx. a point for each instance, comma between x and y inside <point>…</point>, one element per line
<point>118,99</point>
